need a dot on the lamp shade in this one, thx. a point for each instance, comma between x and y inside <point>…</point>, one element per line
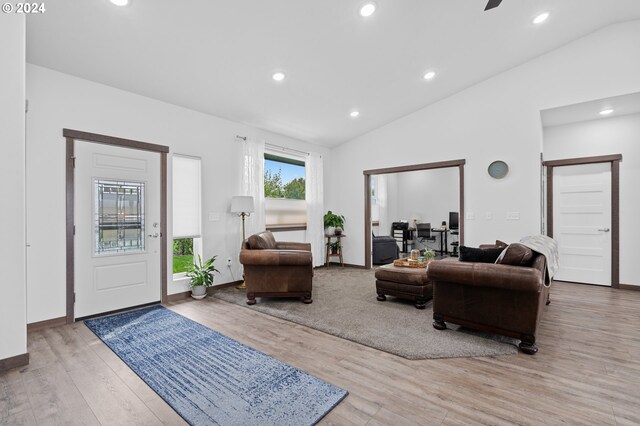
<point>242,204</point>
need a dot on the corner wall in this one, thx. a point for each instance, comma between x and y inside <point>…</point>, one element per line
<point>60,101</point>
<point>495,119</point>
<point>13,324</point>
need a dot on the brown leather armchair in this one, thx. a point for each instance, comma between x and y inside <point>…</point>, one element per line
<point>276,269</point>
<point>496,298</point>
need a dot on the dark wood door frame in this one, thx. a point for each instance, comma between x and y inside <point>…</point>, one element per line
<point>75,135</point>
<point>614,159</point>
<point>410,168</point>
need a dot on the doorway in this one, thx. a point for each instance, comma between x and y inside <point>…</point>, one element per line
<point>116,224</point>
<point>583,217</point>
<point>368,177</point>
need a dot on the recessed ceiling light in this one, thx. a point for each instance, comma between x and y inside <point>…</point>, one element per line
<point>541,18</point>
<point>429,75</point>
<point>606,111</point>
<point>367,9</point>
<point>354,114</point>
<point>120,2</point>
<point>278,76</point>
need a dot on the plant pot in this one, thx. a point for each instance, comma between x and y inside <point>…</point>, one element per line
<point>330,230</point>
<point>199,292</point>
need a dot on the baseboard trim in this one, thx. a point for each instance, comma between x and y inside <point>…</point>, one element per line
<point>187,294</point>
<point>14,362</point>
<point>349,265</point>
<point>629,287</point>
<point>53,322</point>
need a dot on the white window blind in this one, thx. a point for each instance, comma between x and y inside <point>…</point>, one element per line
<point>186,197</point>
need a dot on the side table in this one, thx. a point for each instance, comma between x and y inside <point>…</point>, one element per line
<point>339,253</point>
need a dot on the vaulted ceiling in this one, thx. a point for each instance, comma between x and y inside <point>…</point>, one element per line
<point>218,57</point>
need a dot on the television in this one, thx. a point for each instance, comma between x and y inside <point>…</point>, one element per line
<point>453,220</point>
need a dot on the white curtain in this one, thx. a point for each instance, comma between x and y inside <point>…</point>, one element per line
<point>253,182</point>
<point>314,195</point>
<point>383,205</point>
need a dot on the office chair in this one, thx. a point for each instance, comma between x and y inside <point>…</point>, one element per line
<point>424,232</point>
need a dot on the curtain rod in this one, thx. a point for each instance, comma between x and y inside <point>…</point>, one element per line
<point>278,147</point>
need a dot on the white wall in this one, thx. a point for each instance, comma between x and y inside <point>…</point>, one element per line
<point>62,101</point>
<point>13,324</point>
<point>428,195</point>
<point>615,135</point>
<point>495,119</point>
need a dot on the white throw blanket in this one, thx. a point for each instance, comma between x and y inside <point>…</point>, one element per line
<point>548,247</point>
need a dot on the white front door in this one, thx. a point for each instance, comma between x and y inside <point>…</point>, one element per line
<point>582,222</point>
<point>117,228</point>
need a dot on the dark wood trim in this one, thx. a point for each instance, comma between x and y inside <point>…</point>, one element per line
<point>411,168</point>
<point>414,167</point>
<point>367,221</point>
<point>615,223</point>
<point>583,160</point>
<point>614,159</point>
<point>283,228</point>
<point>70,158</point>
<point>629,287</point>
<point>70,137</point>
<point>550,201</point>
<point>14,362</point>
<point>53,322</point>
<point>110,140</point>
<point>163,227</point>
<point>461,206</point>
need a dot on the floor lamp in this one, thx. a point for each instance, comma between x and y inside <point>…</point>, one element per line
<point>243,206</point>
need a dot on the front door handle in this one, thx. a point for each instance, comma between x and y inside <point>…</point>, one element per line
<point>155,235</point>
<point>604,229</point>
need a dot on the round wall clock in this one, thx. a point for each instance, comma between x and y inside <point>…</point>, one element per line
<point>498,169</point>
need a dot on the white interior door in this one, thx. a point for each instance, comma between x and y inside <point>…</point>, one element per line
<point>117,228</point>
<point>582,222</point>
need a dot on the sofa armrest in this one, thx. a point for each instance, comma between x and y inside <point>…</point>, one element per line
<point>287,245</point>
<point>275,257</point>
<point>514,278</point>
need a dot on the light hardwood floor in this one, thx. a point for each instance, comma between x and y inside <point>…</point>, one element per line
<point>587,371</point>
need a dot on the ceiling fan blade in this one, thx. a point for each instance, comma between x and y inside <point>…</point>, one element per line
<point>492,4</point>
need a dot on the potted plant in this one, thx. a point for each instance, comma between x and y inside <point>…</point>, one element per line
<point>334,247</point>
<point>331,221</point>
<point>201,277</point>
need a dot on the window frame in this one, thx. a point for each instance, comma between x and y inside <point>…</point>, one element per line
<point>292,159</point>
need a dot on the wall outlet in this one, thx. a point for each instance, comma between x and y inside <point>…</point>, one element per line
<point>470,216</point>
<point>228,261</point>
<point>489,215</point>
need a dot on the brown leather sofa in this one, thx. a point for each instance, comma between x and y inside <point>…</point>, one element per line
<point>497,298</point>
<point>276,269</point>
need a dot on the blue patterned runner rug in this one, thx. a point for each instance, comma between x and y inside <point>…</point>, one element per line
<point>211,379</point>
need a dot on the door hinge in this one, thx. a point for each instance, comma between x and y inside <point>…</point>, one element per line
<point>74,298</point>
<point>74,230</point>
<point>26,106</point>
<point>73,160</point>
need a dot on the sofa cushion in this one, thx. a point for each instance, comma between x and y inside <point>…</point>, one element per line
<point>483,255</point>
<point>516,254</point>
<point>262,241</point>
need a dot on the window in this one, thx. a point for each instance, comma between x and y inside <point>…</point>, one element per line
<point>284,191</point>
<point>119,216</point>
<point>186,212</point>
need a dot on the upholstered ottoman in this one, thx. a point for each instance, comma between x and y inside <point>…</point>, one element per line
<point>405,283</point>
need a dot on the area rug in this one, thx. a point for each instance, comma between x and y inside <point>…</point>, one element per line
<point>209,378</point>
<point>345,305</point>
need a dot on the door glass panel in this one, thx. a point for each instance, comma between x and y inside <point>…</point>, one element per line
<point>119,216</point>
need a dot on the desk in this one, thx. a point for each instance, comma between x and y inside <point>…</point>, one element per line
<point>443,239</point>
<point>339,253</point>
